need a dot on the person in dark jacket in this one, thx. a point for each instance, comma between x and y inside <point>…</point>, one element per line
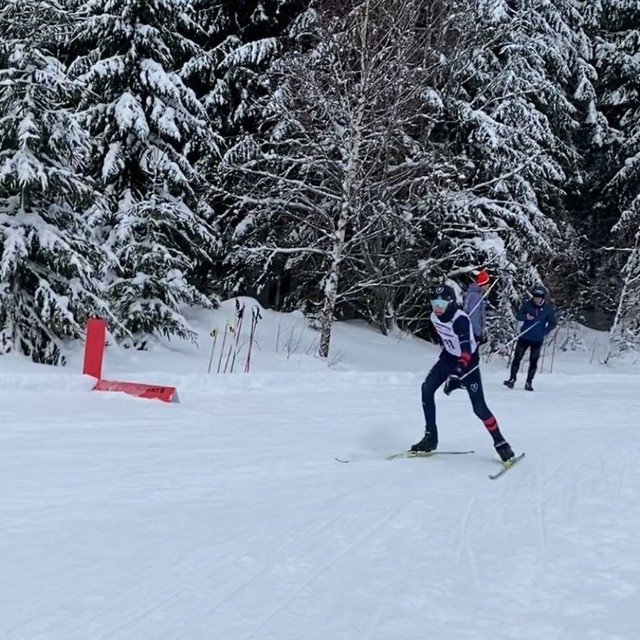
<point>457,367</point>
<point>474,305</point>
<point>538,319</point>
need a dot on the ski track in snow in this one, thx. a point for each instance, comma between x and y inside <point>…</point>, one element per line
<point>318,571</point>
<point>227,517</point>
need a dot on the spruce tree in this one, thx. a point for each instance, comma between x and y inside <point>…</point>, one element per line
<point>239,42</point>
<point>50,264</point>
<point>148,130</point>
<point>616,162</point>
<point>515,101</point>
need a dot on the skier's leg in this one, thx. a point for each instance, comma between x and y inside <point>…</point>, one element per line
<point>534,354</point>
<point>434,380</point>
<point>521,348</point>
<point>473,385</point>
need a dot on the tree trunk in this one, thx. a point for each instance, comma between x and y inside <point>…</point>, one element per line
<point>622,310</point>
<point>328,309</point>
<point>332,281</point>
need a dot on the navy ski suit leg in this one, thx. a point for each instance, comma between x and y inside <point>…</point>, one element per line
<point>473,384</point>
<point>438,375</point>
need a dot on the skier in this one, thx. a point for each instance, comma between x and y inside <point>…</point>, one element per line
<point>457,366</point>
<point>474,305</point>
<point>539,319</point>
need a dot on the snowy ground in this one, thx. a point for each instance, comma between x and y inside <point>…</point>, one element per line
<point>226,517</point>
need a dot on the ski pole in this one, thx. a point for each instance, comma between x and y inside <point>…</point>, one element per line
<point>506,344</point>
<point>484,295</point>
<point>553,353</point>
<point>468,373</point>
<point>224,340</point>
<point>239,315</point>
<point>214,335</point>
<point>255,316</point>
<point>226,362</point>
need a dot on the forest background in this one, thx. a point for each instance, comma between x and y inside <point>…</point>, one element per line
<point>335,156</point>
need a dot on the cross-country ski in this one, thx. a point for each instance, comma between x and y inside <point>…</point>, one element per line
<point>506,466</point>
<point>401,454</point>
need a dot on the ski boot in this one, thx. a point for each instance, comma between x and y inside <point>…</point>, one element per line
<point>427,444</point>
<point>509,383</point>
<point>503,449</point>
<point>528,386</point>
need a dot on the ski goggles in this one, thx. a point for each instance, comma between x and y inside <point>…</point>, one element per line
<point>440,303</point>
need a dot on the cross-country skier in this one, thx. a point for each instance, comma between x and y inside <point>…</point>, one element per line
<point>538,319</point>
<point>457,366</point>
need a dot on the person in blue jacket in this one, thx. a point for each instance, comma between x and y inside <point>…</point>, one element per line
<point>538,319</point>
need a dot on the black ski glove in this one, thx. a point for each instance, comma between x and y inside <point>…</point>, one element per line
<point>453,382</point>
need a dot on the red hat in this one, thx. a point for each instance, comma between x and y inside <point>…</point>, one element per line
<point>482,278</point>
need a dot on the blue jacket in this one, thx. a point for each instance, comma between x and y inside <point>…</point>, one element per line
<point>543,322</point>
<point>475,307</point>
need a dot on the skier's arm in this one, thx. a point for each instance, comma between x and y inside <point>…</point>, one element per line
<point>473,306</point>
<point>471,299</point>
<point>521,316</point>
<point>551,321</point>
<point>462,328</point>
<point>435,336</point>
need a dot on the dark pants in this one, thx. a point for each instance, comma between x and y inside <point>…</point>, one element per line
<point>521,347</point>
<point>472,383</point>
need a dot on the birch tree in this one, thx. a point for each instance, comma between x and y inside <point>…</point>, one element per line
<point>342,162</point>
<point>625,328</point>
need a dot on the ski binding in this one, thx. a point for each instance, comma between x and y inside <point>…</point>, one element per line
<point>506,466</point>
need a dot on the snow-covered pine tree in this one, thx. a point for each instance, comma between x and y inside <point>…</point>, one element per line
<point>617,54</point>
<point>50,264</point>
<point>328,191</point>
<point>511,97</point>
<point>148,129</point>
<point>239,41</point>
<point>616,32</point>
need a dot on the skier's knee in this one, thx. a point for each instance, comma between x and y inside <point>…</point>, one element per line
<point>428,389</point>
<point>481,410</point>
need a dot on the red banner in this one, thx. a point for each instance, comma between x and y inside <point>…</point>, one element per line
<point>94,347</point>
<point>141,390</point>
